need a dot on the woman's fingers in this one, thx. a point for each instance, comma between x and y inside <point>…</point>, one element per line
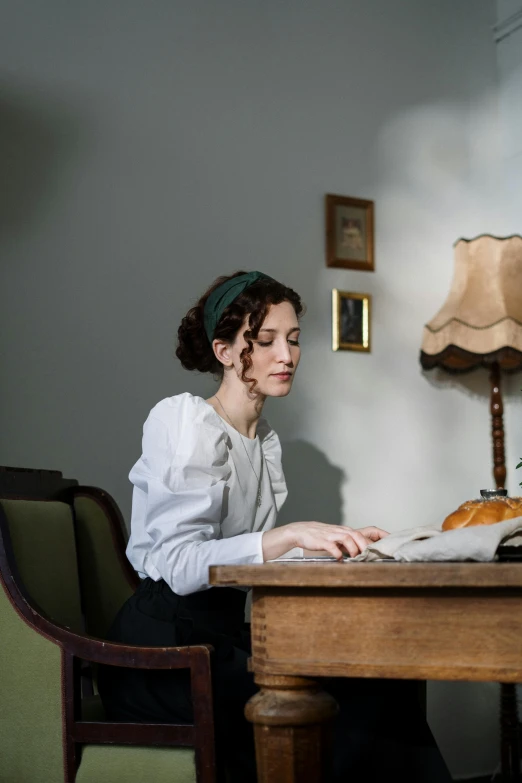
<point>335,539</point>
<point>373,533</point>
<point>360,539</point>
<point>352,541</point>
<point>351,547</point>
<point>334,550</point>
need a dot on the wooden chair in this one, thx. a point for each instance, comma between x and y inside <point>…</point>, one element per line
<point>53,537</point>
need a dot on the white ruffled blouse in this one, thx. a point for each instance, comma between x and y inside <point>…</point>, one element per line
<point>195,494</point>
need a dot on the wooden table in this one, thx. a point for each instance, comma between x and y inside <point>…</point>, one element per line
<point>425,621</point>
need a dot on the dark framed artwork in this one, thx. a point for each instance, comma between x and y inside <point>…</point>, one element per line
<point>351,321</point>
<point>349,233</point>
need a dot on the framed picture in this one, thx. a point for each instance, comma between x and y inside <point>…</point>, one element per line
<point>351,324</point>
<point>349,233</point>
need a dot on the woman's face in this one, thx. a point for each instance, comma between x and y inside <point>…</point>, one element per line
<point>276,351</point>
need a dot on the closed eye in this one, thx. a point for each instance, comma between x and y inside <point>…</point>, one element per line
<point>266,345</point>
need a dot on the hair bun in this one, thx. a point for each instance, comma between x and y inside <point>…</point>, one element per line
<point>194,350</point>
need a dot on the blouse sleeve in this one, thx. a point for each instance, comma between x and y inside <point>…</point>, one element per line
<point>183,473</point>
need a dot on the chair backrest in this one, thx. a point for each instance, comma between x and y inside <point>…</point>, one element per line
<point>92,544</point>
<point>43,540</point>
<point>106,578</point>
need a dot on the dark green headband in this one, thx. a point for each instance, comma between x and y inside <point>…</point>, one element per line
<point>224,295</point>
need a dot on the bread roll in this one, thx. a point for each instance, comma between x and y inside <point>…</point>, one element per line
<point>483,512</point>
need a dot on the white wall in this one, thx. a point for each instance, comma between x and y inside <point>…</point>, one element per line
<point>149,147</point>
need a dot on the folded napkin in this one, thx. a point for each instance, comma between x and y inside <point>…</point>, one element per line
<point>420,544</point>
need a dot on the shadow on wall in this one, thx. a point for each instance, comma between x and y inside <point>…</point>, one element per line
<point>314,485</point>
<point>37,136</point>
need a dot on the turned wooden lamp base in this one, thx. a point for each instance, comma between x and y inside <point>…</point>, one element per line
<point>497,427</point>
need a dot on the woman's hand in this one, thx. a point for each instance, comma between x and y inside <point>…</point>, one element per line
<point>336,540</point>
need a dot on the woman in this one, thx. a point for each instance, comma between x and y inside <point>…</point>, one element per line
<point>207,490</point>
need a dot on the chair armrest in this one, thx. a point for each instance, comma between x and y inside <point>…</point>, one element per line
<point>131,656</point>
<point>89,648</point>
<point>196,658</point>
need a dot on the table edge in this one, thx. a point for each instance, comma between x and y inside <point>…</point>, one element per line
<point>371,575</point>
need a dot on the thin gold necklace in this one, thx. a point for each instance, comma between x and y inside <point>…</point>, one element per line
<point>258,478</point>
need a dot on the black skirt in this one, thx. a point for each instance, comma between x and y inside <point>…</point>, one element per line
<point>380,732</point>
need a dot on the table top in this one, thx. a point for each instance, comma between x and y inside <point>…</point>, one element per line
<point>371,575</point>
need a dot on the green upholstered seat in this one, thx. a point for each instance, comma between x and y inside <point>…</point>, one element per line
<point>123,764</point>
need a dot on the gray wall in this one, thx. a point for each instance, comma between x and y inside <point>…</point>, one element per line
<point>148,147</point>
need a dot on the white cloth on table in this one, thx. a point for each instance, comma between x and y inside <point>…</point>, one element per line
<point>421,544</point>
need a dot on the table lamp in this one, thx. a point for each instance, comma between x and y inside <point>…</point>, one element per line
<point>480,325</point>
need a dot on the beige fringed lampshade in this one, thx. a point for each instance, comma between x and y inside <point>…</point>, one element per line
<point>481,321</point>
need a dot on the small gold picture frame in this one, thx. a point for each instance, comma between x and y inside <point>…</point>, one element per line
<point>349,232</point>
<point>351,321</point>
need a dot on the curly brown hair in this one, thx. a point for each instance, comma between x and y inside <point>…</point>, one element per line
<point>194,349</point>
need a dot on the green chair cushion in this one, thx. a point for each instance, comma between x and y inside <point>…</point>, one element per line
<point>136,764</point>
<point>42,535</point>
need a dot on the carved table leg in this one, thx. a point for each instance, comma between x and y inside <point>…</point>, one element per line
<point>292,719</point>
